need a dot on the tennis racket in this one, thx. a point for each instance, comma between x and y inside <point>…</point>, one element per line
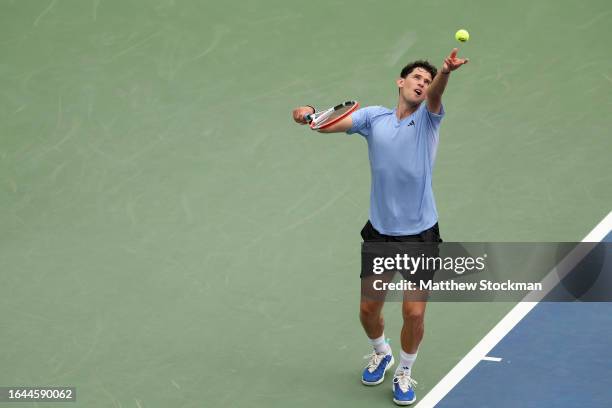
<point>326,118</point>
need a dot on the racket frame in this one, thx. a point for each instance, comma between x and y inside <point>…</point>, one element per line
<point>315,118</point>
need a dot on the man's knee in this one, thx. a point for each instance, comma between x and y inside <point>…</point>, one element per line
<point>413,314</point>
<point>370,310</point>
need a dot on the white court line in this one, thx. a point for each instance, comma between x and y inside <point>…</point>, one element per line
<point>496,359</point>
<point>507,323</point>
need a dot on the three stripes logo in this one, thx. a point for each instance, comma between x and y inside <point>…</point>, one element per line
<point>411,123</point>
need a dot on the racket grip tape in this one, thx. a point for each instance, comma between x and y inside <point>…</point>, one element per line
<point>308,117</point>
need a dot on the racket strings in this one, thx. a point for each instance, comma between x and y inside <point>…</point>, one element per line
<point>332,115</point>
<point>323,116</point>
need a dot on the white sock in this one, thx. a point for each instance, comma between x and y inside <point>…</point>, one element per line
<point>380,345</point>
<point>406,361</point>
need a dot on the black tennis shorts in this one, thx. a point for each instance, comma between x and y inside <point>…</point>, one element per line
<point>377,245</point>
<point>370,234</point>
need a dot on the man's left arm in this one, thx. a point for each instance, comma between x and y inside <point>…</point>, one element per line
<point>436,89</point>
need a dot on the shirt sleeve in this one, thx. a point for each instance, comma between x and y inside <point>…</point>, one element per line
<point>432,119</point>
<point>362,120</point>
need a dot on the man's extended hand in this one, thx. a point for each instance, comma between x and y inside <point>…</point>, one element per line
<point>451,62</point>
<point>299,113</point>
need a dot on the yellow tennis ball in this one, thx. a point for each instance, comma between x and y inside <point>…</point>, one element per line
<point>462,35</point>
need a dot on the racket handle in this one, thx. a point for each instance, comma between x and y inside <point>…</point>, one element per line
<point>308,117</point>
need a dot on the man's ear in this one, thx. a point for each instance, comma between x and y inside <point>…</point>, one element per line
<point>400,82</point>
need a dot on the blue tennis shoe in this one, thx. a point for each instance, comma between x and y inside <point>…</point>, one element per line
<point>378,363</point>
<point>403,388</point>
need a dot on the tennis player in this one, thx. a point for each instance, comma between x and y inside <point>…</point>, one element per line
<point>402,144</point>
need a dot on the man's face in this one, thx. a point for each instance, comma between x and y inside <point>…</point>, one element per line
<point>414,87</point>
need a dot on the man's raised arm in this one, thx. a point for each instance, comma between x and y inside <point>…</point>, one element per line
<point>436,89</point>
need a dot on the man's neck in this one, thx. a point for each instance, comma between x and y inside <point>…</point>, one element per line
<point>404,109</point>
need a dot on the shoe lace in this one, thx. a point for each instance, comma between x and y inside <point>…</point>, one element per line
<point>374,360</point>
<point>404,381</point>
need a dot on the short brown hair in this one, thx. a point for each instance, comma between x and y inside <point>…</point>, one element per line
<point>419,64</point>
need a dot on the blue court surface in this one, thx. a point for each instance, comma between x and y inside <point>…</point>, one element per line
<point>558,354</point>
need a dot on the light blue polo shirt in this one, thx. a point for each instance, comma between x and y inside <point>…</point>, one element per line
<point>402,155</point>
